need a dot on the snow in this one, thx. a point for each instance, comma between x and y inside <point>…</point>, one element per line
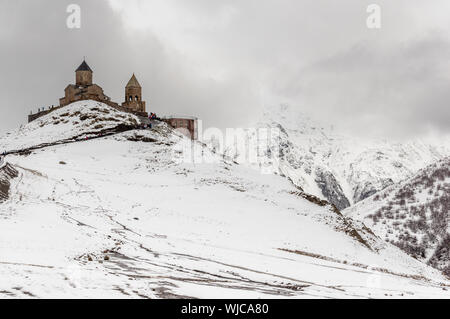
<point>69,122</point>
<point>120,217</point>
<point>413,214</point>
<point>360,166</point>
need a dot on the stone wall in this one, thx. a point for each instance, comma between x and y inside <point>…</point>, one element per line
<point>83,77</point>
<point>75,93</point>
<point>133,99</point>
<point>187,126</point>
<point>37,115</point>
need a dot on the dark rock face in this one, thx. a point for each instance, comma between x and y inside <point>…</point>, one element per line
<point>7,173</point>
<point>364,191</point>
<point>367,189</point>
<point>331,189</point>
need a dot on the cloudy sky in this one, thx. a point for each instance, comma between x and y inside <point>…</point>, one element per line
<point>223,60</point>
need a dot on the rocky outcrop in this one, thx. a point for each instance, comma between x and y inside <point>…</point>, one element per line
<point>364,190</point>
<point>7,173</point>
<point>331,189</point>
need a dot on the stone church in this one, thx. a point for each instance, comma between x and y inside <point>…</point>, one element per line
<point>85,89</point>
<point>133,96</point>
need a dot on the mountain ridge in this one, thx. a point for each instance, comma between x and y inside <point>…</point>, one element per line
<point>413,215</point>
<point>341,168</point>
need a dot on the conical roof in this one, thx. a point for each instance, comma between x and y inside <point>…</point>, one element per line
<point>84,67</point>
<point>133,82</point>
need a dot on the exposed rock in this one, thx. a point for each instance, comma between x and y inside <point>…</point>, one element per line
<point>7,173</point>
<point>331,189</point>
<point>366,189</point>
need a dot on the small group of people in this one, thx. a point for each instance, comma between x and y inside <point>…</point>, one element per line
<point>42,109</point>
<point>151,116</point>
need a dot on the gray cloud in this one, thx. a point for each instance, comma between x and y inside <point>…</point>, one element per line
<point>222,60</point>
<point>400,91</point>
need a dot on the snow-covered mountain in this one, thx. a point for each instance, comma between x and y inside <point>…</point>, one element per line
<point>414,215</point>
<point>118,215</point>
<point>339,168</point>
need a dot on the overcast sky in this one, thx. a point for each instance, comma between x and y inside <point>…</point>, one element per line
<point>224,60</point>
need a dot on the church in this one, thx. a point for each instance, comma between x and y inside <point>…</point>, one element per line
<point>133,96</point>
<point>85,89</point>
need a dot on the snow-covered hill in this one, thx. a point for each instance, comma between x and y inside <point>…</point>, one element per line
<point>414,215</point>
<point>344,169</point>
<point>120,216</point>
<point>81,120</point>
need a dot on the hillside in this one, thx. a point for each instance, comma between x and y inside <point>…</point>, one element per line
<point>339,168</point>
<point>122,216</point>
<point>414,215</point>
<point>84,119</point>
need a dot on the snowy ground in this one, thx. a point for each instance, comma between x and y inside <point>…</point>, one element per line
<point>76,121</point>
<point>172,230</point>
<point>118,217</point>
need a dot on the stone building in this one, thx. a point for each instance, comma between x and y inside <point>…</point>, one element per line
<point>187,125</point>
<point>84,88</point>
<point>133,96</point>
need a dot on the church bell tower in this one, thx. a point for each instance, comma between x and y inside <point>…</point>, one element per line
<point>83,75</point>
<point>133,96</point>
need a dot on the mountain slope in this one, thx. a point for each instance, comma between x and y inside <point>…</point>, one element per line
<point>414,215</point>
<point>84,119</point>
<point>122,216</point>
<point>343,169</point>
